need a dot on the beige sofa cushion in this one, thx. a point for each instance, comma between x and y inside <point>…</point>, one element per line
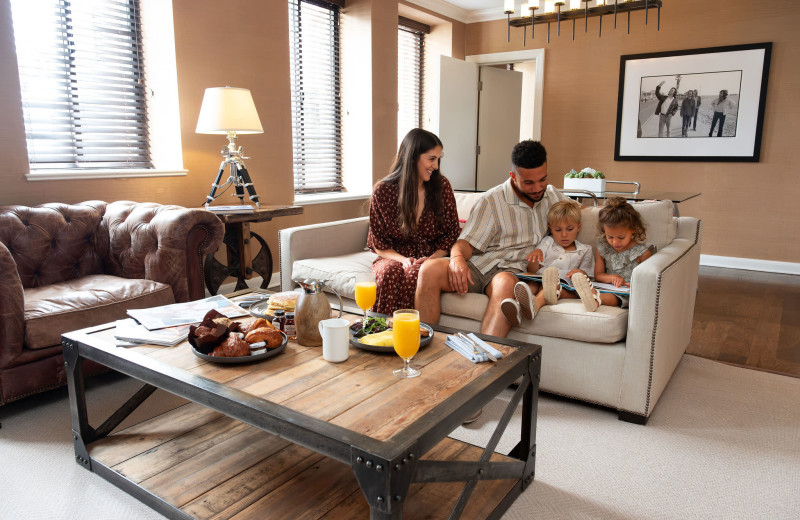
<point>340,270</point>
<point>568,319</point>
<point>657,216</point>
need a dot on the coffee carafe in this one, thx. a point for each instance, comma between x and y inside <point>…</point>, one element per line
<point>312,307</point>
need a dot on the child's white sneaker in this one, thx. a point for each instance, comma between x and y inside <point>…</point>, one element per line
<point>524,296</point>
<point>589,297</point>
<point>551,285</point>
<point>511,311</point>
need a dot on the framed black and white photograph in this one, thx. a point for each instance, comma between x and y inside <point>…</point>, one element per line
<point>693,105</point>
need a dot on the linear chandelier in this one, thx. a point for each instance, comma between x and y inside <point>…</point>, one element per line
<point>554,12</point>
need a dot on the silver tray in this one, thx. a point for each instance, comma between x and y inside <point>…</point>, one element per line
<point>373,348</point>
<point>244,359</point>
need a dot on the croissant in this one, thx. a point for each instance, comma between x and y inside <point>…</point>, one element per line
<point>257,324</point>
<point>234,346</point>
<point>270,336</point>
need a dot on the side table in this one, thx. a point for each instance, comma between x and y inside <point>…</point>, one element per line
<point>238,237</point>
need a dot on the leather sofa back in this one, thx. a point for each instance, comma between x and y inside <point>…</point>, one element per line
<point>55,242</point>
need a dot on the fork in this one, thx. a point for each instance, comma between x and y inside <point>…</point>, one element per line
<point>469,342</point>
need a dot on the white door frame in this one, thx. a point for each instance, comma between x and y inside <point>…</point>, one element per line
<point>538,85</point>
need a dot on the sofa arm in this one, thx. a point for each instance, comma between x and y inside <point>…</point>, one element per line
<point>660,318</point>
<point>12,309</point>
<point>316,240</point>
<point>162,243</point>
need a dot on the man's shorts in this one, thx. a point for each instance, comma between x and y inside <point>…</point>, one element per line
<point>481,280</point>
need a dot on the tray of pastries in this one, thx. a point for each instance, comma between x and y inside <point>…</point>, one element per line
<point>221,340</point>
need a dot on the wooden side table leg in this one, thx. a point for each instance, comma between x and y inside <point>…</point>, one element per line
<point>262,262</point>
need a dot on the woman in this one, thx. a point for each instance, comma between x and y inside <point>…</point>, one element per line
<point>412,217</point>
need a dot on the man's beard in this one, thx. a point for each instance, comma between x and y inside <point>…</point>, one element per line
<point>525,196</point>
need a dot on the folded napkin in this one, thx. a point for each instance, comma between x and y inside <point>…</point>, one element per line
<point>466,350</point>
<point>496,353</point>
<point>463,348</point>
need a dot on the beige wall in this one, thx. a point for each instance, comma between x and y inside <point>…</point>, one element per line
<point>243,44</point>
<point>748,209</point>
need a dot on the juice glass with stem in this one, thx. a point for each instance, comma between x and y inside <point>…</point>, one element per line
<point>405,336</point>
<point>366,291</point>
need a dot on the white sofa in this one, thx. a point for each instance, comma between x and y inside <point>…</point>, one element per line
<point>619,358</point>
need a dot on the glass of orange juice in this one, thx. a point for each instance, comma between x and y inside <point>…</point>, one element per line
<point>366,291</point>
<point>405,336</point>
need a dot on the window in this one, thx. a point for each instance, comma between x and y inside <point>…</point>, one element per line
<point>316,96</point>
<point>410,46</point>
<point>82,80</point>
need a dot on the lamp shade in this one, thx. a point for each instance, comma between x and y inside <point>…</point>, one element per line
<point>228,109</point>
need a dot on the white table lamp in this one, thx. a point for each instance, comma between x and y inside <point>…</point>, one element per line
<point>230,111</point>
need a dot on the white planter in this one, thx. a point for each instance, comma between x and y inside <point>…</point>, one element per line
<point>596,186</point>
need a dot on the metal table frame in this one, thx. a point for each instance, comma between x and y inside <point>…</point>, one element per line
<point>384,470</point>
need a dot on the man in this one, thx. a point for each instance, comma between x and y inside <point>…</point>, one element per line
<point>665,113</point>
<point>688,110</point>
<point>722,106</point>
<point>696,110</point>
<point>505,225</point>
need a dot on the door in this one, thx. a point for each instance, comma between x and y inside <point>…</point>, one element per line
<point>458,120</point>
<point>500,95</point>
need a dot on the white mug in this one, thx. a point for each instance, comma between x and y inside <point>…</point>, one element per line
<point>335,334</point>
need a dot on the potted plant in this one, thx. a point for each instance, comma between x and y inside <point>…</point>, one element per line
<point>587,179</point>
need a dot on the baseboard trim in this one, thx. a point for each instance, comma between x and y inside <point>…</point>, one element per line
<point>750,264</point>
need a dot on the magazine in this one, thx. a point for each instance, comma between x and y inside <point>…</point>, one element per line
<point>128,332</point>
<point>567,284</point>
<point>185,313</point>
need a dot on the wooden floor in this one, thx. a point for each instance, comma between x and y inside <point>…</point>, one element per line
<point>748,318</point>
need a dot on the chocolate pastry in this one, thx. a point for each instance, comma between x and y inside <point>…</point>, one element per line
<point>208,334</point>
<point>234,346</point>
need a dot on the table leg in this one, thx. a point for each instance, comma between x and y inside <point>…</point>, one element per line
<point>82,433</point>
<point>238,257</point>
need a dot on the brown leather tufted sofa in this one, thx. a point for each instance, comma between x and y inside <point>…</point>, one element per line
<point>66,267</point>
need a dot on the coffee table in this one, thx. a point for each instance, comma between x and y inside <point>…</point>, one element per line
<point>294,436</point>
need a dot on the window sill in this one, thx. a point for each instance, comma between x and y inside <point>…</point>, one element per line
<point>69,175</point>
<point>322,198</point>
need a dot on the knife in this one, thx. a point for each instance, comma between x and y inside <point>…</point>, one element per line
<point>476,345</point>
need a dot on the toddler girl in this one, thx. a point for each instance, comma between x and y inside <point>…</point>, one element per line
<point>620,248</point>
<point>557,255</point>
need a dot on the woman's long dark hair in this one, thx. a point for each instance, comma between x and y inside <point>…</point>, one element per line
<point>404,174</point>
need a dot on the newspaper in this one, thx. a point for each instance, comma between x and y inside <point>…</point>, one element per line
<point>185,313</point>
<point>129,332</point>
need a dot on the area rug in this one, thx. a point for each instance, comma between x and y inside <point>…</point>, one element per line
<point>722,443</point>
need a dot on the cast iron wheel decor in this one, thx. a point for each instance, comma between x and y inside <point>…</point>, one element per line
<point>216,272</point>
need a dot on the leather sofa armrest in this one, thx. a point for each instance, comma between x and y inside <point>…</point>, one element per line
<point>660,318</point>
<point>12,309</point>
<point>319,240</point>
<point>163,243</point>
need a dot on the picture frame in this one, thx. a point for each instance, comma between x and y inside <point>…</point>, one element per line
<point>651,121</point>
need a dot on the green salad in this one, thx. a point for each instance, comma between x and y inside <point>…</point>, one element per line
<point>370,325</point>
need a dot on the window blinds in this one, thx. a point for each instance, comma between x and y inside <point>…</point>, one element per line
<point>316,100</point>
<point>409,79</point>
<point>82,82</point>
